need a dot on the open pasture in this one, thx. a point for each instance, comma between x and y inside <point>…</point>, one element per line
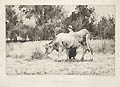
<point>28,58</point>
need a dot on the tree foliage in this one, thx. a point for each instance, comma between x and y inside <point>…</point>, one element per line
<point>81,18</point>
<point>49,20</point>
<point>106,27</point>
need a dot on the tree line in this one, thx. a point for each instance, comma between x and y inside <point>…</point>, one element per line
<point>51,20</point>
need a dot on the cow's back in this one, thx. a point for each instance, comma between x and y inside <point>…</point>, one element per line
<point>67,40</point>
<point>81,34</point>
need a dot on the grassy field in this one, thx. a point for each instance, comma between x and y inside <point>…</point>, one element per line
<point>28,58</point>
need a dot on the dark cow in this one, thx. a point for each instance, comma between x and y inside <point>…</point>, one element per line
<point>72,52</point>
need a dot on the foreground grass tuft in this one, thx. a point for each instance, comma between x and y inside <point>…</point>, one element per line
<point>37,55</point>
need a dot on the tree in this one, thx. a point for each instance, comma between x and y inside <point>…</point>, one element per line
<point>106,29</point>
<point>44,15</point>
<point>111,24</point>
<point>11,21</point>
<point>81,17</point>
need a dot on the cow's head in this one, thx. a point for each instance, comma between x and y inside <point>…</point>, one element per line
<point>48,48</point>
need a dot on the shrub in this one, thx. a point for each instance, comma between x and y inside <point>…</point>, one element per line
<point>37,55</point>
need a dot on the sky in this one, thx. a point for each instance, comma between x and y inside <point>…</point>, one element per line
<point>105,10</point>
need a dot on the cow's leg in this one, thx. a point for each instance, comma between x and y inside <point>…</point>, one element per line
<point>84,46</point>
<point>89,49</point>
<point>67,52</point>
<point>91,52</point>
<point>58,54</point>
<point>46,54</point>
<point>84,51</point>
<point>59,51</point>
<point>88,46</point>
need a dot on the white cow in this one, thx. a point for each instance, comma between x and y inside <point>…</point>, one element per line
<point>70,40</point>
<point>61,42</point>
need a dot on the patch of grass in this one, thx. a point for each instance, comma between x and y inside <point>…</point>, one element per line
<point>20,56</point>
<point>108,46</point>
<point>37,55</point>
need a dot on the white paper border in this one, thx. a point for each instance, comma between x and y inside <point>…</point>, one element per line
<point>58,80</point>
